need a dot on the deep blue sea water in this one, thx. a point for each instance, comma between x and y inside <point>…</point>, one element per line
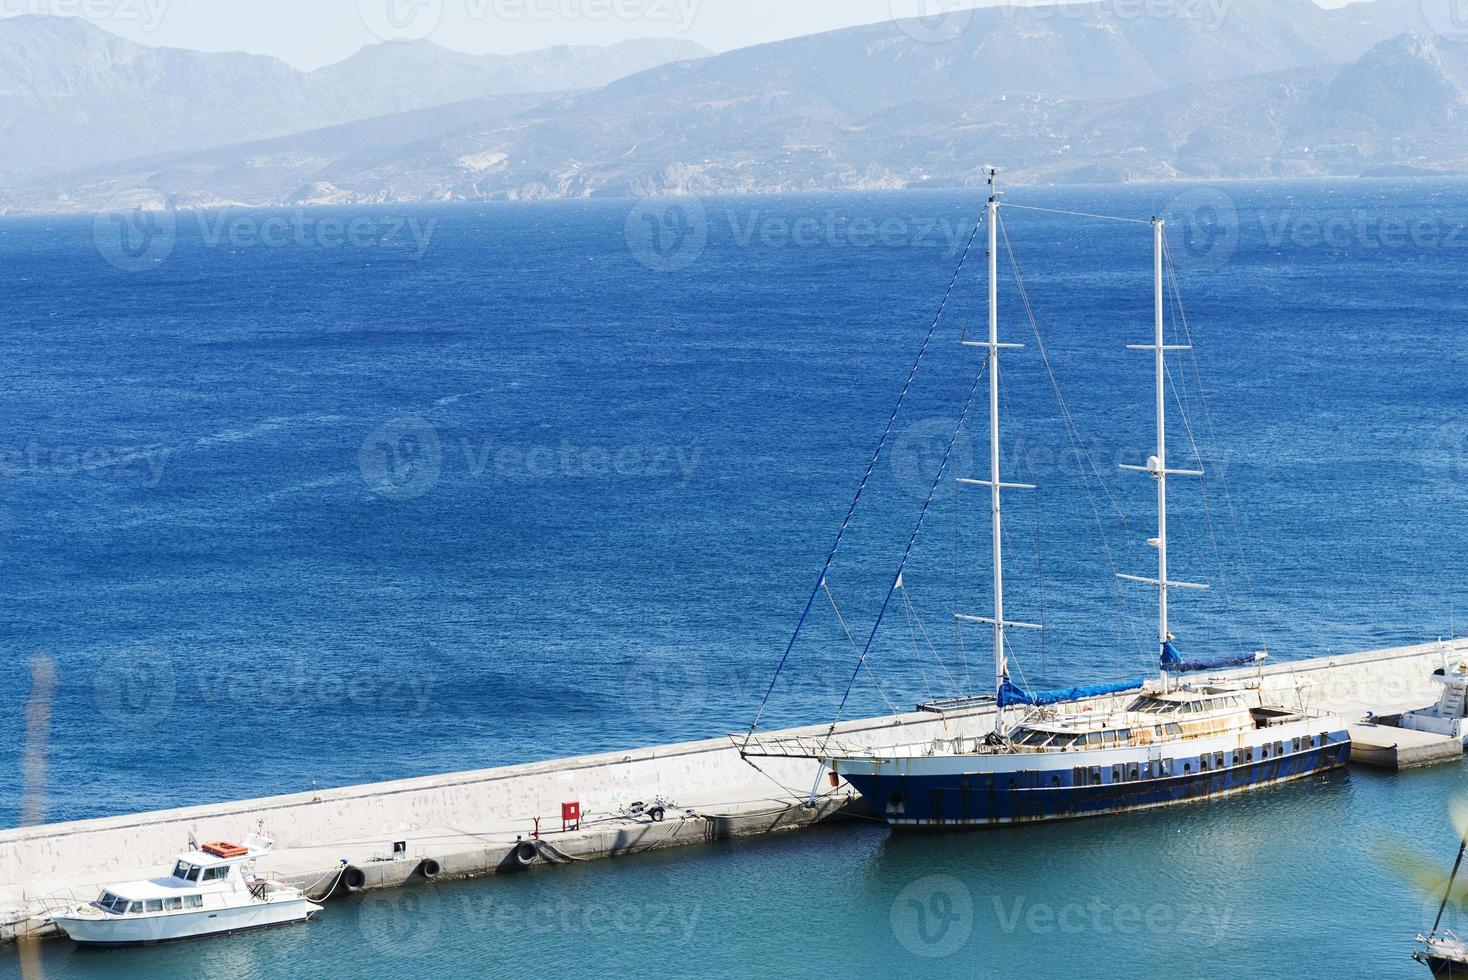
<point>343,495</point>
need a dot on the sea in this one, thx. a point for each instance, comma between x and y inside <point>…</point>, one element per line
<point>316,497</point>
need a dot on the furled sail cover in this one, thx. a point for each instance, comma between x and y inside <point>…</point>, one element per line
<point>1172,661</point>
<point>1010,695</point>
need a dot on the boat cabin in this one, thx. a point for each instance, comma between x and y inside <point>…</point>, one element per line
<point>195,874</point>
<point>1185,702</point>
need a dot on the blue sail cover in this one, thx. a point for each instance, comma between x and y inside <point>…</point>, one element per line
<point>1173,662</point>
<point>1010,695</point>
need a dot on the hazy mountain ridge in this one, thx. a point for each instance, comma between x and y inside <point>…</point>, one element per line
<point>75,96</point>
<point>1276,89</point>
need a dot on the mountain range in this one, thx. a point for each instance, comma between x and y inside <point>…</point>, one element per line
<point>75,96</point>
<point>1195,89</point>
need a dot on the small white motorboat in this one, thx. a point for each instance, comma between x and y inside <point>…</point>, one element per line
<point>212,889</point>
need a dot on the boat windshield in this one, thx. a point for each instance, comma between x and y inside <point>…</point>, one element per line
<point>1153,706</point>
<point>181,870</point>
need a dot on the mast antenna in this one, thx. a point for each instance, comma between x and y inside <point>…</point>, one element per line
<point>1157,465</point>
<point>994,482</point>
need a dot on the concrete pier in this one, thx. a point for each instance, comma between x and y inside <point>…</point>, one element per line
<point>1387,747</point>
<point>483,822</point>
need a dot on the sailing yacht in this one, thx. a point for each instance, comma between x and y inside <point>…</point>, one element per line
<point>1100,749</point>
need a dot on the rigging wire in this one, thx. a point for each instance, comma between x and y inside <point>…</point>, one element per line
<point>1081,455</point>
<point>1224,590</point>
<point>906,553</point>
<point>913,617</point>
<point>1079,214</point>
<point>852,640</point>
<point>1240,544</point>
<point>866,477</point>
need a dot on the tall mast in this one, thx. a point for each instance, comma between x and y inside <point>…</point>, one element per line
<point>1157,465</point>
<point>994,483</point>
<point>1001,663</point>
<point>1159,341</point>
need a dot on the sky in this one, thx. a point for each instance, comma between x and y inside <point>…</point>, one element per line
<point>311,33</point>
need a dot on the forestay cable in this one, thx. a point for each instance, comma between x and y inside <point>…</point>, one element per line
<point>871,467</point>
<point>907,552</point>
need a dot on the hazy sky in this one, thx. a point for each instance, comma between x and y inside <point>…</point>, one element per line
<point>310,33</point>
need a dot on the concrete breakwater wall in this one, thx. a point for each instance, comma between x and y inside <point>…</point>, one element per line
<point>490,808</point>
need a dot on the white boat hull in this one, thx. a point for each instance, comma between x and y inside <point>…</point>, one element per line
<point>138,930</point>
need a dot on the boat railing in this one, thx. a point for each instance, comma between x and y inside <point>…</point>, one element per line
<point>814,747</point>
<point>43,908</point>
<point>261,885</point>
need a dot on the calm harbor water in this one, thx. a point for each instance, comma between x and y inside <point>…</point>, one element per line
<point>342,495</point>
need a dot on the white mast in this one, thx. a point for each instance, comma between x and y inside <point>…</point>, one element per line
<point>995,485</point>
<point>1157,465</point>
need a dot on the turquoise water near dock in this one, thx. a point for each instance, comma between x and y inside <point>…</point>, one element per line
<point>476,485</point>
<point>1239,887</point>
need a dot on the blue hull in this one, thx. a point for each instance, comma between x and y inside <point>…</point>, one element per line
<point>1022,796</point>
